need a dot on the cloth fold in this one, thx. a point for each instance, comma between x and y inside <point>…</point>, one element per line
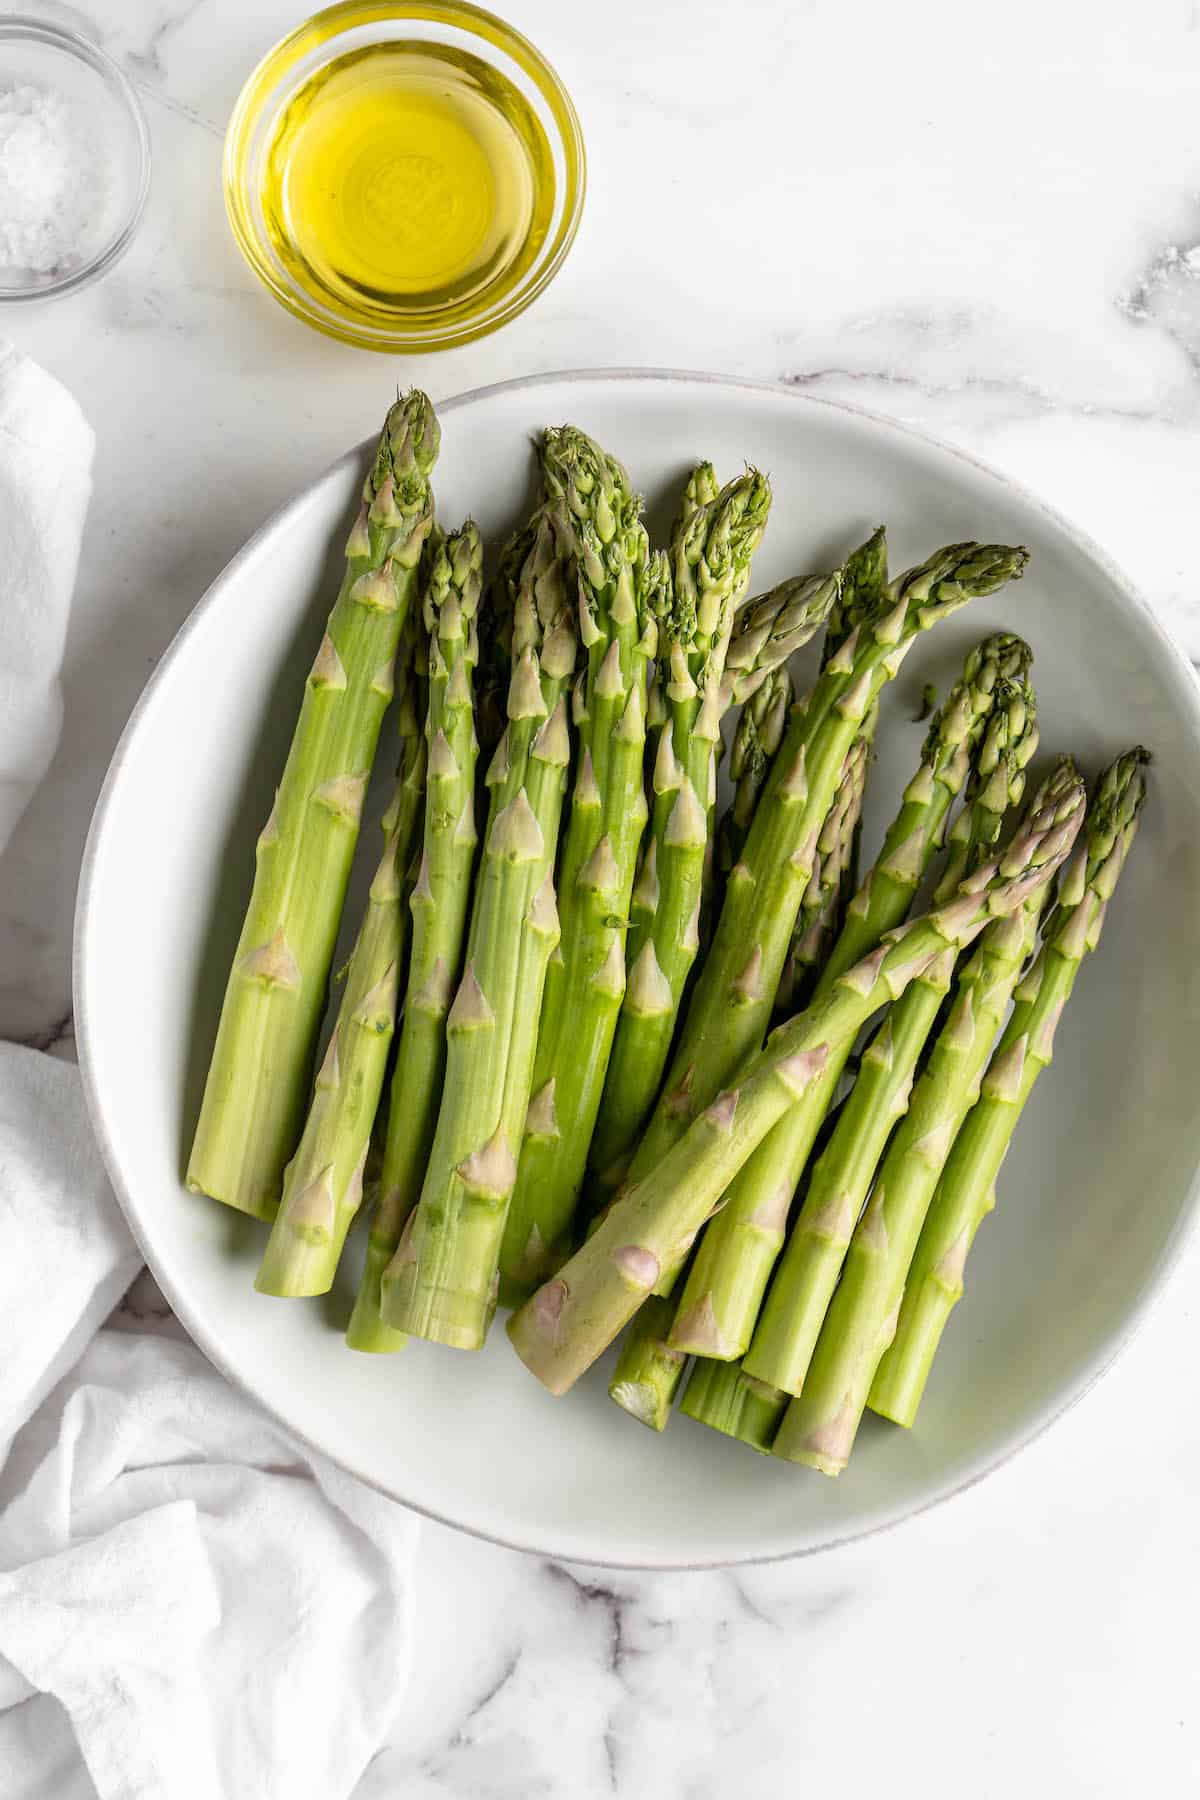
<point>46,448</point>
<point>192,1607</point>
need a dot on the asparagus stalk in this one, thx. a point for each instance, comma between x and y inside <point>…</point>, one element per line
<point>258,1081</point>
<point>729,1274</point>
<point>804,1282</point>
<point>439,904</point>
<point>765,635</point>
<point>833,849</point>
<point>820,1425</point>
<point>442,1281</point>
<point>819,920</point>
<point>648,1370</point>
<point>493,670</point>
<point>571,1319</point>
<point>731,1003</point>
<point>966,1192</point>
<point>713,542</point>
<point>620,595</point>
<point>323,1183</point>
<point>721,1395</point>
<point>760,728</point>
<point>864,579</point>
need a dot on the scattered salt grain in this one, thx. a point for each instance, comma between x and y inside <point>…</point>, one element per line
<point>51,181</point>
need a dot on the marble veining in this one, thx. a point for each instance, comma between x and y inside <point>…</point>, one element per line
<point>989,227</point>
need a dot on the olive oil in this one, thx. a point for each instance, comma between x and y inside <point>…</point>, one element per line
<point>408,179</point>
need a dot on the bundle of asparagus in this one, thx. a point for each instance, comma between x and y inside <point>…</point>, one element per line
<point>823,1204</point>
<point>442,1280</point>
<point>439,901</point>
<point>323,1183</point>
<point>972,740</point>
<point>710,662</point>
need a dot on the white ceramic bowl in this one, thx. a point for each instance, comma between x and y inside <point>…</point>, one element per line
<point>1095,1195</point>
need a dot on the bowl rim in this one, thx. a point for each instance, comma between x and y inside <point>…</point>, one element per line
<point>22,28</point>
<point>257,95</point>
<point>1186,1228</point>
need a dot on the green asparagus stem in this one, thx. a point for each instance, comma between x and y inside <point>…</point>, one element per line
<point>819,923</point>
<point>441,1283</point>
<point>323,1183</point>
<point>819,1427</point>
<point>721,1395</point>
<point>439,904</point>
<point>966,1192</point>
<point>570,1320</point>
<point>493,670</point>
<point>731,1003</point>
<point>804,1281</point>
<point>258,1081</point>
<point>864,579</point>
<point>619,585</point>
<point>833,850</point>
<point>648,1370</point>
<point>712,545</point>
<point>733,1263</point>
<point>760,728</point>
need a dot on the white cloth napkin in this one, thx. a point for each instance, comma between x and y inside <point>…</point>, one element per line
<point>46,449</point>
<point>191,1606</point>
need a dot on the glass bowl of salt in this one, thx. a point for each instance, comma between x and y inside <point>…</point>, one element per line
<point>74,161</point>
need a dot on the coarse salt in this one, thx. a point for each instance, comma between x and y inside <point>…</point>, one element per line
<point>50,181</point>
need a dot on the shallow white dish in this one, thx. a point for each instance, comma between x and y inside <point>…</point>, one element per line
<point>1100,1184</point>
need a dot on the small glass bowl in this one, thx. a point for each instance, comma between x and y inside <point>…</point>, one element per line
<point>47,56</point>
<point>356,25</point>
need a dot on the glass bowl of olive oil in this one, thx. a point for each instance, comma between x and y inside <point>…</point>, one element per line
<point>404,177</point>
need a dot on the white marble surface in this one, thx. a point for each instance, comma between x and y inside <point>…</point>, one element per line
<point>989,224</point>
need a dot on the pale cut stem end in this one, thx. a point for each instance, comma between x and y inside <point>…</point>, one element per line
<point>444,1316</point>
<point>367,1330</point>
<point>295,1268</point>
<point>262,1206</point>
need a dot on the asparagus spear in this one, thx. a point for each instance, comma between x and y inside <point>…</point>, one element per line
<point>620,592</point>
<point>438,903</point>
<point>713,542</point>
<point>819,920</point>
<point>441,1283</point>
<point>323,1183</point>
<point>572,1318</point>
<point>765,635</point>
<point>832,850</point>
<point>721,1395</point>
<point>820,1425</point>
<point>662,1379</point>
<point>493,670</point>
<point>258,1081</point>
<point>966,1192</point>
<point>648,1370</point>
<point>760,729</point>
<point>731,1268</point>
<point>803,1286</point>
<point>732,1000</point>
